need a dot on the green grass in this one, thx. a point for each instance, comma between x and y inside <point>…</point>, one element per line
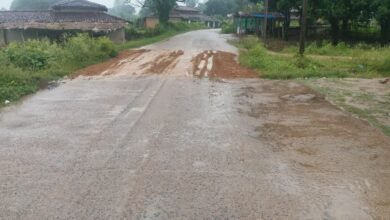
<point>26,67</point>
<point>340,61</point>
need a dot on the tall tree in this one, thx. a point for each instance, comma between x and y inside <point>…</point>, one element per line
<point>220,7</point>
<point>382,15</point>
<point>161,8</point>
<point>122,9</point>
<point>32,5</point>
<point>191,3</point>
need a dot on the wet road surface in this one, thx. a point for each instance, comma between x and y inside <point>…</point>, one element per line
<point>140,145</point>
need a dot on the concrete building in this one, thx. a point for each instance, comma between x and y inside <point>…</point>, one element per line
<point>70,16</point>
<point>184,14</point>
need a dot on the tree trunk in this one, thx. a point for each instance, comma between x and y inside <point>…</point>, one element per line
<point>163,14</point>
<point>286,25</point>
<point>384,32</point>
<point>345,29</point>
<point>334,23</point>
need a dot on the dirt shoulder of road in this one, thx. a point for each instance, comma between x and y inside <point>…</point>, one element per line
<point>368,99</point>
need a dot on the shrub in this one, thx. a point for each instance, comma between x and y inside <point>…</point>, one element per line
<point>82,49</point>
<point>228,28</point>
<point>33,54</point>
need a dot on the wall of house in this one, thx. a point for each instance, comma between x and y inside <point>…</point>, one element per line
<point>151,22</point>
<point>118,36</point>
<point>2,38</point>
<point>16,35</point>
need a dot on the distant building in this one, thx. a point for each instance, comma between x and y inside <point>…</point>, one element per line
<point>69,16</point>
<point>184,14</point>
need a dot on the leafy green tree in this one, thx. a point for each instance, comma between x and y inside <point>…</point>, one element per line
<point>160,8</point>
<point>220,7</point>
<point>382,15</point>
<point>122,9</point>
<point>191,3</point>
<point>32,5</point>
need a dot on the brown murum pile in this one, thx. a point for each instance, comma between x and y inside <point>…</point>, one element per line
<point>219,64</point>
<point>110,66</point>
<point>163,62</point>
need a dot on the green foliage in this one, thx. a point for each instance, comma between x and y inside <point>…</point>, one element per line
<point>356,62</point>
<point>31,55</point>
<point>220,7</point>
<point>228,28</point>
<point>85,50</point>
<point>123,9</point>
<point>27,66</point>
<point>191,3</point>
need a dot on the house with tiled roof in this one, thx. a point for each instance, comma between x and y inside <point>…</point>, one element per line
<point>69,16</point>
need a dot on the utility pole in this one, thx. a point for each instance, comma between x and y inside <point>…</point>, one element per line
<point>303,28</point>
<point>265,21</point>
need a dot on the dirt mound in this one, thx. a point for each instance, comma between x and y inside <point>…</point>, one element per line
<point>219,64</point>
<point>163,62</point>
<point>109,67</point>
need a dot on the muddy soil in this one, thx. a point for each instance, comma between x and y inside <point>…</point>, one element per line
<point>111,66</point>
<point>220,64</point>
<point>163,62</point>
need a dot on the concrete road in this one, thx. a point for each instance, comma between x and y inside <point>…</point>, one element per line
<point>133,144</point>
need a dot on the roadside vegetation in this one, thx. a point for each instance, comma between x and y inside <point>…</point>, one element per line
<point>29,66</point>
<point>361,61</point>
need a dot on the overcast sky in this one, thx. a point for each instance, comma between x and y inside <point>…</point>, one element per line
<point>7,3</point>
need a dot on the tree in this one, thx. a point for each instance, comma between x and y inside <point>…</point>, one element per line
<point>32,5</point>
<point>191,3</point>
<point>161,8</point>
<point>220,7</point>
<point>122,9</point>
<point>382,15</point>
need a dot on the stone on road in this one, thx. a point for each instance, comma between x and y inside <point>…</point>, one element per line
<point>166,144</point>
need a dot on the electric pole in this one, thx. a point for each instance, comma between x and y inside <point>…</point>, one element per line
<point>303,28</point>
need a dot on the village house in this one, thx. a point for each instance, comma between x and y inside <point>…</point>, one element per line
<point>184,14</point>
<point>70,16</point>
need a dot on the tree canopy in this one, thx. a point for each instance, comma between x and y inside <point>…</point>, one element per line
<point>123,10</point>
<point>341,15</point>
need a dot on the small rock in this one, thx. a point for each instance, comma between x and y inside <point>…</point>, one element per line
<point>300,97</point>
<point>384,81</point>
<point>7,102</point>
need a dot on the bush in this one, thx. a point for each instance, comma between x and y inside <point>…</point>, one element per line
<point>32,55</point>
<point>228,28</point>
<point>27,66</point>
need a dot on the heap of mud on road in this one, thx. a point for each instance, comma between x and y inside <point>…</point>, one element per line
<point>210,64</point>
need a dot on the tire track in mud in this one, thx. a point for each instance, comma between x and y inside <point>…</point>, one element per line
<point>219,64</point>
<point>163,62</point>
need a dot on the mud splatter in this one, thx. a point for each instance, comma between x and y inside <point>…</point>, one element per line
<point>163,62</point>
<point>219,64</point>
<point>109,67</point>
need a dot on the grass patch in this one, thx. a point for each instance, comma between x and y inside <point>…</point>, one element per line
<point>339,62</point>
